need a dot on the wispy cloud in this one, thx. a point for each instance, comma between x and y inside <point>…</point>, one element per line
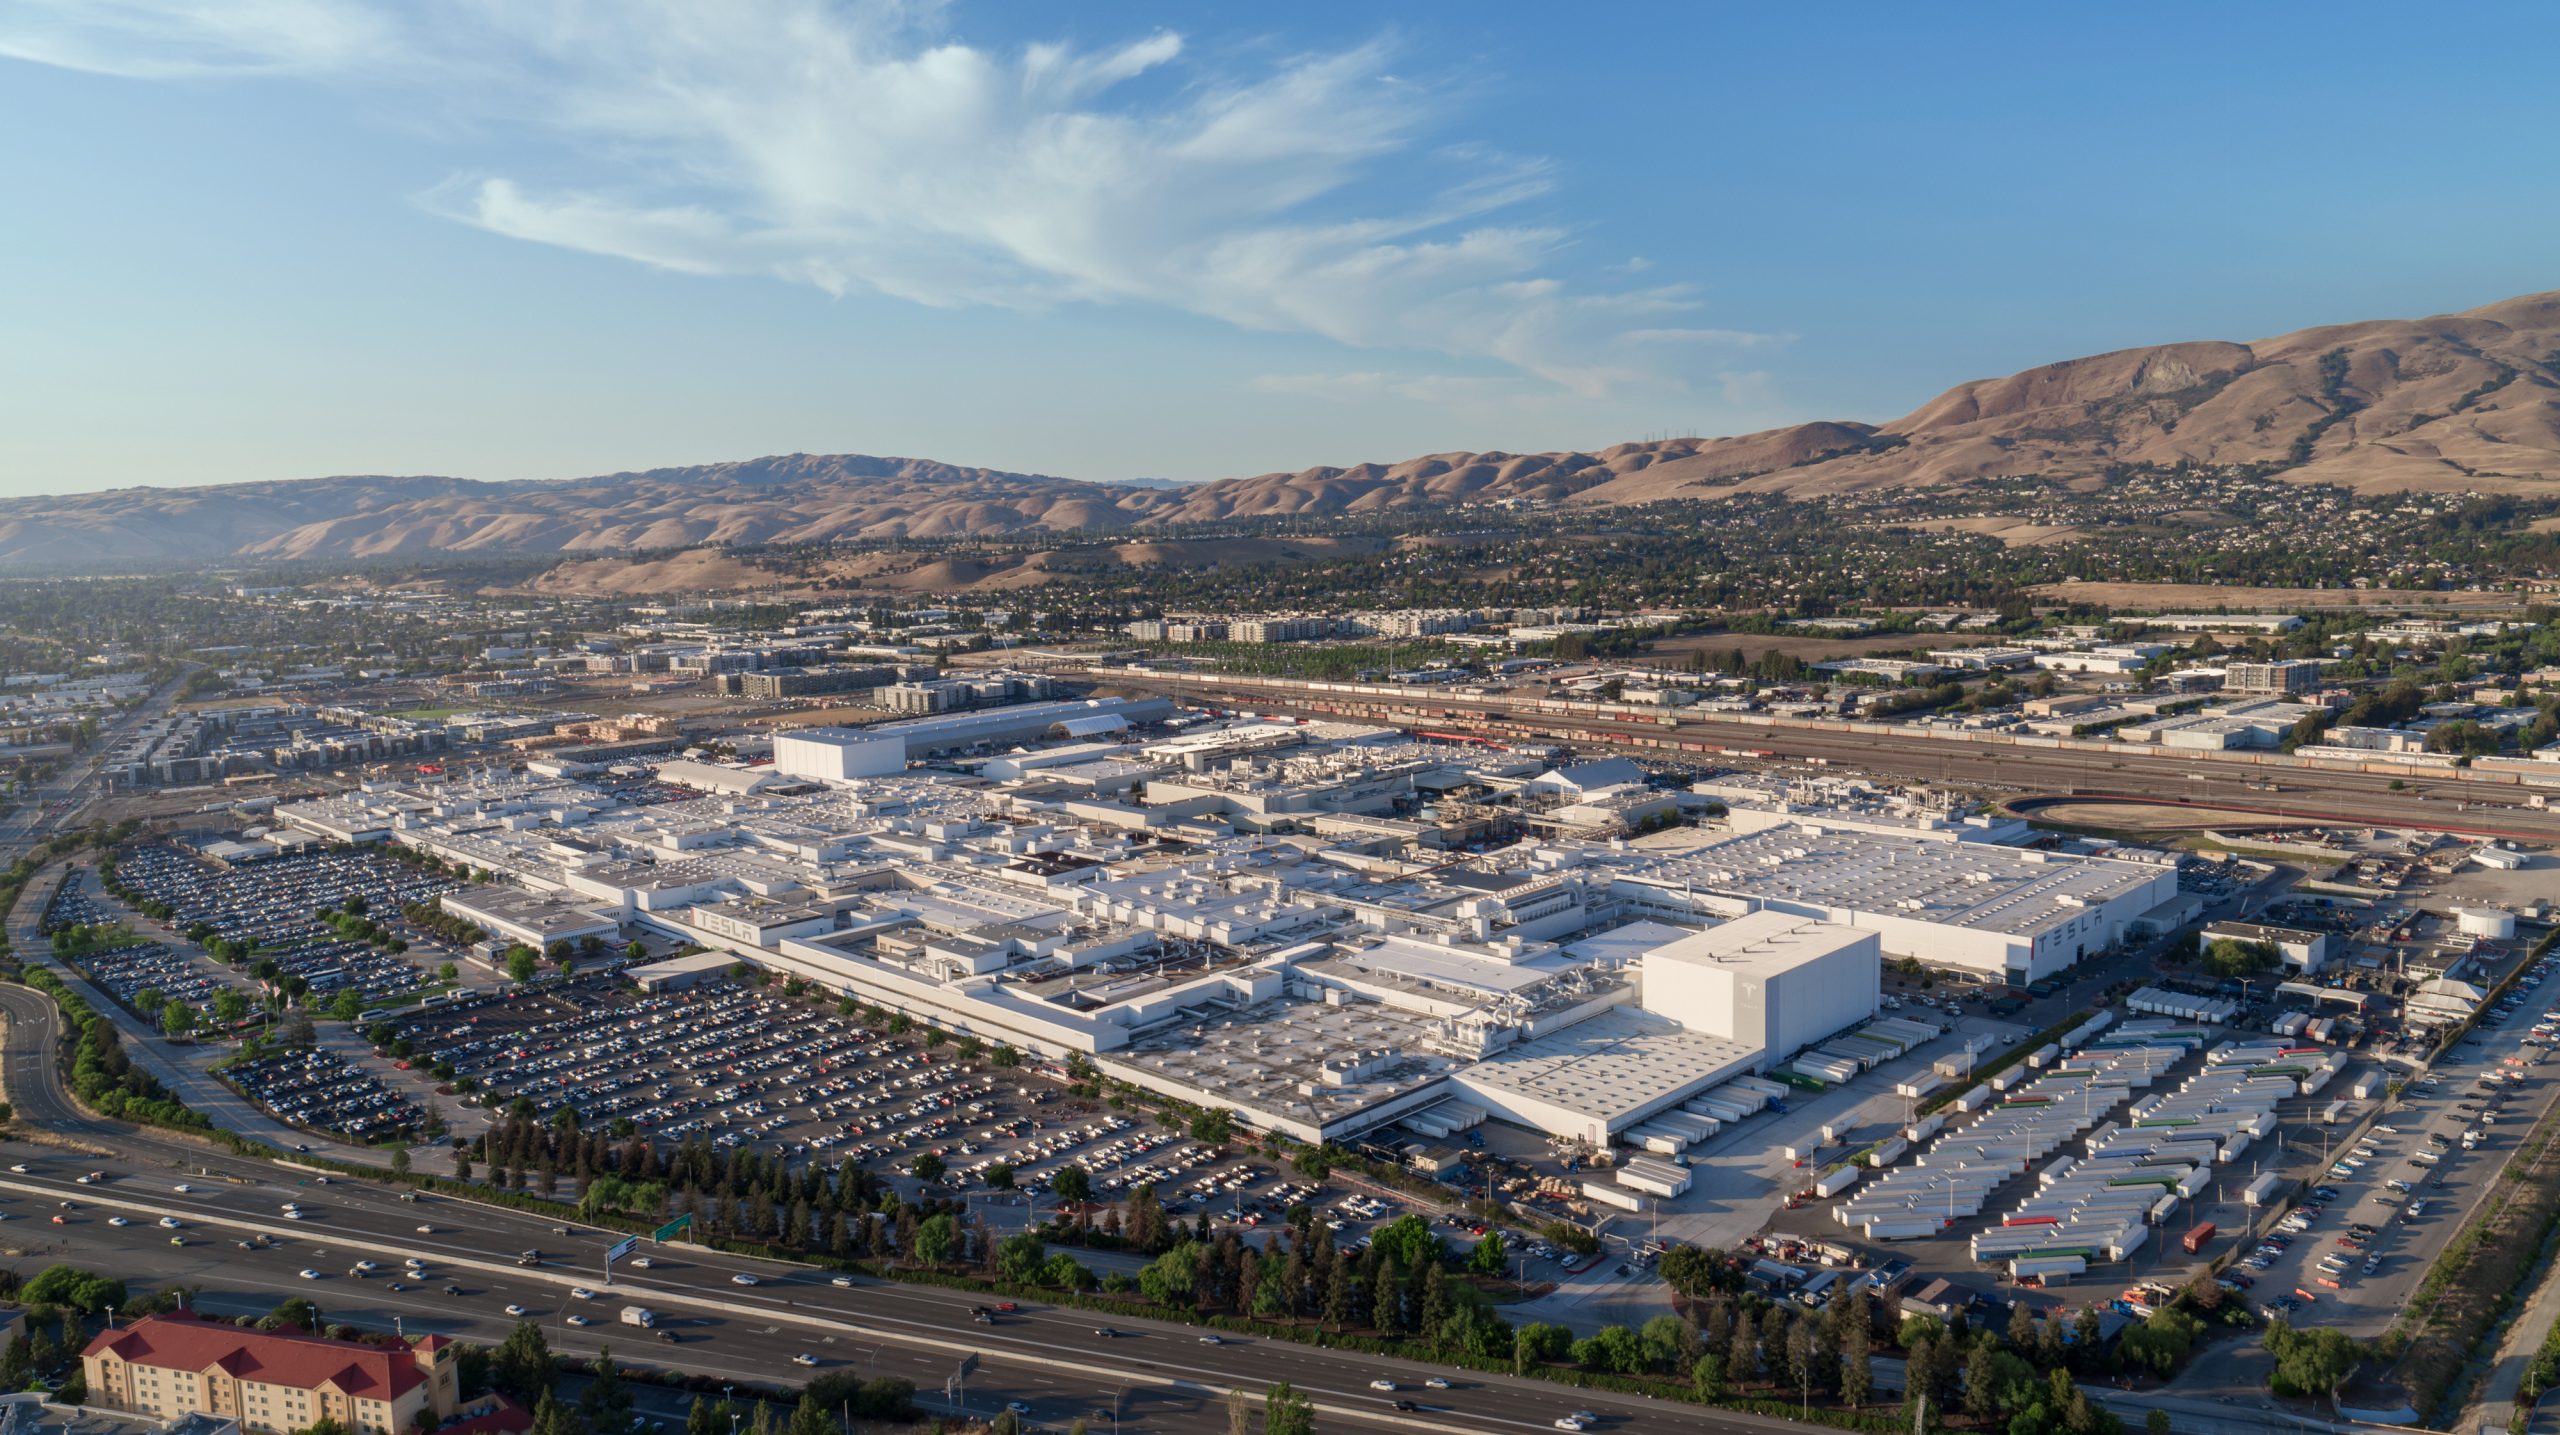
<point>863,147</point>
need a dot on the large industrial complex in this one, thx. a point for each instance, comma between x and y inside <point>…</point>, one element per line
<point>1279,918</point>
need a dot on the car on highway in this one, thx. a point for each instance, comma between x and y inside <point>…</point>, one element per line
<point>842,1282</point>
<point>118,1221</point>
<point>742,1279</point>
<point>1567,1422</point>
<point>1407,1405</point>
<point>182,1188</point>
<point>1382,1383</point>
<point>307,1273</point>
<point>1106,1332</point>
<point>516,1310</point>
<point>170,1223</point>
<point>581,1293</point>
<point>638,1263</point>
<point>804,1358</point>
<point>574,1318</point>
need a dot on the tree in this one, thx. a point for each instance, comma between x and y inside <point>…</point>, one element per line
<point>85,1291</point>
<point>1857,1358</point>
<point>2311,1362</point>
<point>1020,1256</point>
<point>348,1006</point>
<point>1694,1271</point>
<point>522,963</point>
<point>1065,1272</point>
<point>2156,1423</point>
<point>1707,1377</point>
<point>808,1418</point>
<point>1286,1412</point>
<point>606,1403</point>
<point>927,1167</point>
<point>230,1008</point>
<point>2160,1342</point>
<point>1073,1185</point>
<point>524,1366</point>
<point>1612,1349</point>
<point>2231,958</point>
<point>1173,1279</point>
<point>550,1417</point>
<point>1488,1256</point>
<point>177,1019</point>
<point>938,1239</point>
<point>1408,1241</point>
<point>999,1177</point>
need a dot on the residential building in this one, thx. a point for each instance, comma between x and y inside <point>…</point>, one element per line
<point>168,1366</point>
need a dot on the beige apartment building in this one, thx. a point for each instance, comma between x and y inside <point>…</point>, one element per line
<point>172,1365</point>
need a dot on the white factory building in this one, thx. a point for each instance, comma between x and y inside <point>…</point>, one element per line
<point>837,754</point>
<point>1770,980</point>
<point>2002,913</point>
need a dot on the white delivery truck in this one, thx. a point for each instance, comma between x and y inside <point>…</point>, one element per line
<point>639,1315</point>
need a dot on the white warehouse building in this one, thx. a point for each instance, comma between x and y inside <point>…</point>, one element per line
<point>837,754</point>
<point>1770,979</point>
<point>2003,913</point>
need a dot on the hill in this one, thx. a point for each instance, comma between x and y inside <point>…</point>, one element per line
<point>2458,402</point>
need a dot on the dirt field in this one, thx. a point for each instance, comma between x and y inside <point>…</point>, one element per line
<point>2201,596</point>
<point>2128,816</point>
<point>1811,647</point>
<point>2012,532</point>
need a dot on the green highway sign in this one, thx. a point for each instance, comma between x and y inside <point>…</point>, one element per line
<point>674,1228</point>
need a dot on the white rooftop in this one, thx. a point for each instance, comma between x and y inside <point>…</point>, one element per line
<point>1611,1065</point>
<point>1763,944</point>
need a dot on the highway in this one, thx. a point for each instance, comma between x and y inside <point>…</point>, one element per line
<point>1055,1359</point>
<point>2323,795</point>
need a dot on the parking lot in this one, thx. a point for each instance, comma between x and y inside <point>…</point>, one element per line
<point>132,968</point>
<point>273,903</point>
<point>323,1092</point>
<point>739,1065</point>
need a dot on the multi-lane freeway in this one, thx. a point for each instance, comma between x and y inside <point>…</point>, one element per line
<point>1061,1361</point>
<point>730,1317</point>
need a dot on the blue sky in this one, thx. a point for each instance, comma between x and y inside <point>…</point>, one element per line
<point>502,239</point>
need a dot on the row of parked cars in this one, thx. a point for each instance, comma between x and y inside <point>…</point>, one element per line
<point>275,903</point>
<point>323,1091</point>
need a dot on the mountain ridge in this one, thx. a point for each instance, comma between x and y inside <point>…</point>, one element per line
<point>2451,402</point>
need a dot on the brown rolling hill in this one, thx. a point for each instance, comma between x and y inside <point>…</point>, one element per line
<point>2467,401</point>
